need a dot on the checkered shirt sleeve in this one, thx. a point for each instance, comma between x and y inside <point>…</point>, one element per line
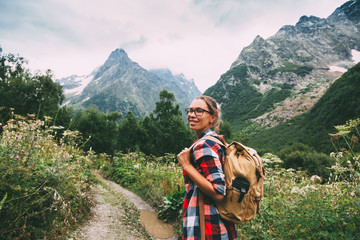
<point>207,157</point>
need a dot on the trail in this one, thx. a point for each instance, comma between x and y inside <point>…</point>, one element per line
<point>109,219</point>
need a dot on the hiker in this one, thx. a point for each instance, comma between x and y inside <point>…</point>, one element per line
<point>202,169</point>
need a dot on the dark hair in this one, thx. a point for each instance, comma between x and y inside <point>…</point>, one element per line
<point>214,109</point>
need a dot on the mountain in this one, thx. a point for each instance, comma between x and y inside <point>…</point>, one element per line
<point>179,85</point>
<point>122,85</point>
<point>339,104</point>
<point>278,78</point>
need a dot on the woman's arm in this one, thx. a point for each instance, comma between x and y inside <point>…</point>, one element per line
<point>200,181</point>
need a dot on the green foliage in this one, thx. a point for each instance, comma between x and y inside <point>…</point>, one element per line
<point>171,207</point>
<point>99,128</point>
<point>295,205</point>
<point>340,103</point>
<point>283,86</point>
<point>225,129</point>
<point>129,137</point>
<point>241,100</point>
<point>159,180</point>
<point>152,177</point>
<point>300,156</point>
<point>165,129</point>
<point>292,67</point>
<point>44,184</point>
<point>347,146</point>
<point>306,211</point>
<point>112,104</point>
<point>309,210</point>
<point>239,72</point>
<point>27,92</point>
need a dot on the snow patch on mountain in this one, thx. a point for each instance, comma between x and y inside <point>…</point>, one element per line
<point>83,82</point>
<point>355,55</point>
<point>337,69</point>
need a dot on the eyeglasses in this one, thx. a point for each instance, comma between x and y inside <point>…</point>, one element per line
<point>198,111</point>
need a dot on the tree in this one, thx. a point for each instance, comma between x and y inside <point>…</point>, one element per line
<point>169,133</point>
<point>99,128</point>
<point>27,92</point>
<point>129,133</point>
<point>225,130</point>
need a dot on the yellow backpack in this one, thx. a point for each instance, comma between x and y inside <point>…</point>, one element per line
<point>244,178</point>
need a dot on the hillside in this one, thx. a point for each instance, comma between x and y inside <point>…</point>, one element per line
<point>340,103</point>
<point>278,78</point>
<point>121,85</point>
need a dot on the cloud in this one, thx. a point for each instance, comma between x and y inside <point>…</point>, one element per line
<point>200,38</point>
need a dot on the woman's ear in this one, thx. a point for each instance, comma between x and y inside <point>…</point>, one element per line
<point>213,118</point>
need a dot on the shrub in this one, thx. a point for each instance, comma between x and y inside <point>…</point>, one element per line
<point>44,184</point>
<point>301,156</point>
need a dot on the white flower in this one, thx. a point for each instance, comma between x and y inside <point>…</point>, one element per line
<point>315,179</point>
<point>295,190</point>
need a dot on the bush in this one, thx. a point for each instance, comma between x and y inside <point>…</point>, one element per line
<point>301,156</point>
<point>44,185</point>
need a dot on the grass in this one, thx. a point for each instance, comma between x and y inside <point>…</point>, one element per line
<point>296,205</point>
<point>46,179</point>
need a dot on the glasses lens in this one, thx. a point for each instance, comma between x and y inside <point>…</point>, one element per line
<point>199,111</point>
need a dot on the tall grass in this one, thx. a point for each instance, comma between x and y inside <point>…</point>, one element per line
<point>44,182</point>
<point>296,205</point>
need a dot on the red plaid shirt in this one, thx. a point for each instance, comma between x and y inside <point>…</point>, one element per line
<point>207,157</point>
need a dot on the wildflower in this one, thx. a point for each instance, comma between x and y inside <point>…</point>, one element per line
<point>137,166</point>
<point>17,156</point>
<point>295,190</point>
<point>315,179</point>
<point>342,128</point>
<point>335,135</point>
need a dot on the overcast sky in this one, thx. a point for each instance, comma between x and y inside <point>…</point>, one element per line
<point>199,38</point>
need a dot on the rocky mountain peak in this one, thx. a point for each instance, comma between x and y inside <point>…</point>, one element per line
<point>122,85</point>
<point>349,10</point>
<point>306,21</point>
<point>117,56</point>
<point>299,62</point>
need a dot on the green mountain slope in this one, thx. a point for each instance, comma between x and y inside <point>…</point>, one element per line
<point>340,103</point>
<point>276,79</point>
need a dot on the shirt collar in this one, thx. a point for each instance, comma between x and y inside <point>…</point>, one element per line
<point>207,132</point>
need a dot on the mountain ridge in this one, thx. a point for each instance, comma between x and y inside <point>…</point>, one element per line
<point>284,75</point>
<point>122,85</point>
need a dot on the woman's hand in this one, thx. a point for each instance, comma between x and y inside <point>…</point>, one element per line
<point>184,158</point>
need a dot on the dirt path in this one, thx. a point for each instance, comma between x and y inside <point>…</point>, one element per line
<point>112,219</point>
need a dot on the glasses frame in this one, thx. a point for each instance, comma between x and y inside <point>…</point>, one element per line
<point>190,111</point>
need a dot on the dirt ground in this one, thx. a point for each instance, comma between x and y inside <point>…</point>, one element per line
<point>109,218</point>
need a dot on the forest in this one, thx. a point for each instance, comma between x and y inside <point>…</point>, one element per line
<point>47,152</point>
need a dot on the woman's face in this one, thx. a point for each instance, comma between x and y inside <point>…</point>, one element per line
<point>198,123</point>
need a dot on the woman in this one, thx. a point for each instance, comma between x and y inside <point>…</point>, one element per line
<point>202,169</point>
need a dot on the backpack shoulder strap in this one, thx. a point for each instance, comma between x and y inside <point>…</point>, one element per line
<point>211,138</point>
<point>214,139</point>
